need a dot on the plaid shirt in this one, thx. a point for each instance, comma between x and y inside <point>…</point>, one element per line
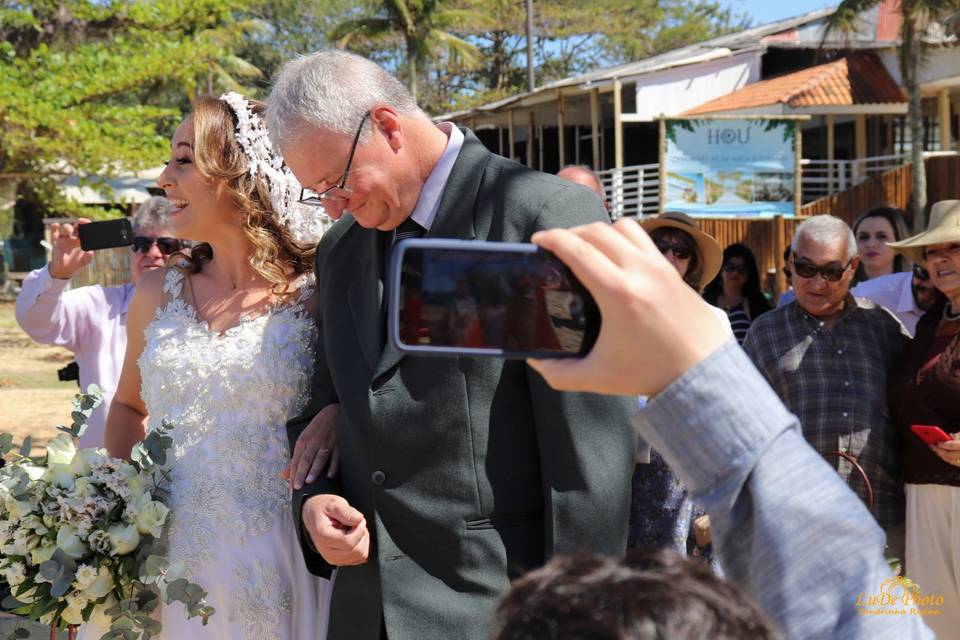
<point>835,382</point>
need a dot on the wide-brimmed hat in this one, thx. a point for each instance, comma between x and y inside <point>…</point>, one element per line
<point>944,226</point>
<point>711,255</point>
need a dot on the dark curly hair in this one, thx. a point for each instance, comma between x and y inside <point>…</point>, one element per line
<point>647,596</point>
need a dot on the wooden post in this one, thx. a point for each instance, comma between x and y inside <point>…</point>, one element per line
<point>500,139</point>
<point>473,123</point>
<point>540,146</point>
<point>595,129</point>
<point>797,172</point>
<point>576,146</point>
<point>560,131</point>
<point>617,124</point>
<point>831,150</point>
<point>661,157</point>
<point>860,143</point>
<point>530,138</point>
<point>943,109</point>
<point>779,245</point>
<point>510,134</point>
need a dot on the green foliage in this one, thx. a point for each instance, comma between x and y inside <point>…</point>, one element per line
<point>94,87</point>
<point>83,406</point>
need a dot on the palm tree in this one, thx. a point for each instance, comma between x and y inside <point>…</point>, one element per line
<point>917,16</point>
<point>424,26</point>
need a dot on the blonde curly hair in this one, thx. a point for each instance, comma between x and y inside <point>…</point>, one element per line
<point>217,154</point>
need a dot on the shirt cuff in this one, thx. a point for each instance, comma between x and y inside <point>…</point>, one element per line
<point>714,421</point>
<point>45,278</point>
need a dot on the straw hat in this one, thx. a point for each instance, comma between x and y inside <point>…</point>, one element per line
<point>944,226</point>
<point>711,255</point>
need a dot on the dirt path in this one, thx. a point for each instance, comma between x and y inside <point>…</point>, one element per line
<point>32,401</point>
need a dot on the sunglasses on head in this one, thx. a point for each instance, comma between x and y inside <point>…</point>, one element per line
<point>680,250</point>
<point>733,267</point>
<point>920,273</point>
<point>831,272</point>
<point>167,246</point>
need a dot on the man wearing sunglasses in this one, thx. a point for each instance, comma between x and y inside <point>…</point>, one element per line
<point>907,295</point>
<point>92,321</point>
<point>456,474</point>
<point>827,355</point>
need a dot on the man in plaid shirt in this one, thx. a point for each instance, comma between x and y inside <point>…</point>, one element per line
<point>827,355</point>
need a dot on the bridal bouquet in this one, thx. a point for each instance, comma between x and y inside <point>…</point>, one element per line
<point>80,533</point>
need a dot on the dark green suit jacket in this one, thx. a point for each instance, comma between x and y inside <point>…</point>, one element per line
<point>470,471</point>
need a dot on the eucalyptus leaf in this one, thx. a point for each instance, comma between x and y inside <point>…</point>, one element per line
<point>61,585</point>
<point>26,446</point>
<point>50,569</point>
<point>10,603</point>
<point>6,443</point>
<point>156,565</point>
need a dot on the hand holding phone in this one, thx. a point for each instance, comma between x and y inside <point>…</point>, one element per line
<point>930,434</point>
<point>66,256</point>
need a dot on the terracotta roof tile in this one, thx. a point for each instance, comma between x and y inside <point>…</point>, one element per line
<point>855,79</point>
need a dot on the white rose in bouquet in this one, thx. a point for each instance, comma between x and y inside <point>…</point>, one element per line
<point>60,450</point>
<point>34,472</point>
<point>151,516</point>
<point>123,539</point>
<point>18,508</point>
<point>14,573</point>
<point>100,586</point>
<point>99,616</point>
<point>72,615</point>
<point>69,541</point>
<point>41,554</point>
<point>60,475</point>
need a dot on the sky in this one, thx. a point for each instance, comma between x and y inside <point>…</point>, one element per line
<point>763,11</point>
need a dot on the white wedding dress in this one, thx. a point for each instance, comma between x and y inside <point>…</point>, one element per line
<point>228,397</point>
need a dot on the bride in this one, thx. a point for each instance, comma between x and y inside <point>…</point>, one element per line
<point>220,344</point>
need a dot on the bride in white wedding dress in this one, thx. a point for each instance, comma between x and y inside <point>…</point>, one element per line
<point>221,345</point>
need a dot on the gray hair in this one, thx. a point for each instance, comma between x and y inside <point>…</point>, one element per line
<point>153,213</point>
<point>825,230</point>
<point>331,90</point>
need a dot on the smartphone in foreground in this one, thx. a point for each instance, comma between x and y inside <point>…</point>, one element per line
<point>930,434</point>
<point>105,234</point>
<point>504,300</point>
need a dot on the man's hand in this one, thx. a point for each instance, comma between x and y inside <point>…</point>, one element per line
<point>67,257</point>
<point>338,531</point>
<point>316,444</point>
<point>655,327</point>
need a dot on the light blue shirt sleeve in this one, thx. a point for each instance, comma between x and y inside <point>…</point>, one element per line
<point>784,525</point>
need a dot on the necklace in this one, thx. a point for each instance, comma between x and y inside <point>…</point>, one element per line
<point>948,315</point>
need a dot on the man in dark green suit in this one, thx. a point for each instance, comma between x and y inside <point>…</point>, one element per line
<point>456,474</point>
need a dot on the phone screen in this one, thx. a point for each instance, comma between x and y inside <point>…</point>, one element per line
<point>498,299</point>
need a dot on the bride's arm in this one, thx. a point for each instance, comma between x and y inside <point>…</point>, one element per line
<point>127,419</point>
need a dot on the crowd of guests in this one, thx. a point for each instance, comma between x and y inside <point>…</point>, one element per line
<point>867,347</point>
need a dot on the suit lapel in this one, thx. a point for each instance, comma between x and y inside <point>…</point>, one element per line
<point>365,292</point>
<point>455,215</point>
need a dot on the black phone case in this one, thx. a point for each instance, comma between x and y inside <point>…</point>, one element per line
<point>105,234</point>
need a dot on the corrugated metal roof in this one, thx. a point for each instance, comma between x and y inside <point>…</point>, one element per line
<point>856,79</point>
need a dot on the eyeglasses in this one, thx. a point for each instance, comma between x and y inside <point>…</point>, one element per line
<point>733,267</point>
<point>920,273</point>
<point>831,272</point>
<point>338,191</point>
<point>680,251</point>
<point>167,246</point>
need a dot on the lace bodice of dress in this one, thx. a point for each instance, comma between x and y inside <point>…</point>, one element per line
<point>228,397</point>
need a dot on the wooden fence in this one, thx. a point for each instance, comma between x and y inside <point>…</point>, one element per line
<point>766,237</point>
<point>892,188</point>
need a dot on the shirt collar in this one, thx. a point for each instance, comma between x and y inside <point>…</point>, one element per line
<point>429,201</point>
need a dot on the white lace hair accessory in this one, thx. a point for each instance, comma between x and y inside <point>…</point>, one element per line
<point>304,223</point>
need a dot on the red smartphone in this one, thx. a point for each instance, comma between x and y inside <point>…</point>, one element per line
<point>929,434</point>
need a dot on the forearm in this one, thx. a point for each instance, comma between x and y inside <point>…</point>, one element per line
<point>125,427</point>
<point>782,518</point>
<point>40,309</point>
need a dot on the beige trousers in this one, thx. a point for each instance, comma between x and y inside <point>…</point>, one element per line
<point>933,551</point>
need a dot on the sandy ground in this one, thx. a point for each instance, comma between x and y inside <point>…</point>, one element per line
<point>32,401</point>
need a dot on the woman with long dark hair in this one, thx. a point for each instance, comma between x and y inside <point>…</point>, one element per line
<point>736,289</point>
<point>873,230</point>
